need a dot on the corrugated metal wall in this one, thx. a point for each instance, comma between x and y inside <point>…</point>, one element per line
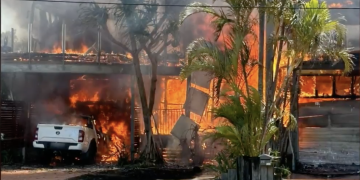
<point>329,133</point>
<point>12,124</point>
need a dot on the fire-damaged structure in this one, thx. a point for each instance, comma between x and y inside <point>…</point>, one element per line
<point>71,72</point>
<point>328,114</point>
<point>54,61</point>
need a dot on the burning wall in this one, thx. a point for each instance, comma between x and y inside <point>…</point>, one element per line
<point>323,86</point>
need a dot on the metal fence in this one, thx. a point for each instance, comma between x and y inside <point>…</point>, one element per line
<point>166,118</point>
<point>12,124</point>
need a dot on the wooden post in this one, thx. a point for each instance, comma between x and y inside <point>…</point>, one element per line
<point>316,90</point>
<point>243,168</point>
<point>187,105</point>
<point>224,176</point>
<point>232,174</point>
<point>255,168</point>
<point>352,87</point>
<point>333,86</point>
<point>240,168</point>
<point>266,168</point>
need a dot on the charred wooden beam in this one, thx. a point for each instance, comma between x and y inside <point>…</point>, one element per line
<point>352,86</point>
<point>315,65</point>
<point>333,86</point>
<point>333,97</point>
<point>355,72</point>
<point>326,65</point>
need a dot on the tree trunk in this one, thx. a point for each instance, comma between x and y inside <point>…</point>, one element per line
<point>142,94</point>
<point>141,86</point>
<point>152,86</point>
<point>294,111</point>
<point>262,31</point>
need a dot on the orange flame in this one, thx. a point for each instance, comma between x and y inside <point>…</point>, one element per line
<point>348,2</point>
<point>57,49</point>
<point>115,130</point>
<point>335,5</point>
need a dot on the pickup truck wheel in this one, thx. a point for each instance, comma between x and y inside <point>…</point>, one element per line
<point>89,156</point>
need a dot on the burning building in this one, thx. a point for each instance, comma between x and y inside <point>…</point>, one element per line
<point>329,114</point>
<point>107,98</point>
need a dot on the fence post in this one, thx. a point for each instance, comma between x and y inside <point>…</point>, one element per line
<point>224,176</point>
<point>255,168</point>
<point>232,174</point>
<point>266,168</point>
<point>240,168</point>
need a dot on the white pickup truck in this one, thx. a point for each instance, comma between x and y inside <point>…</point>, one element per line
<point>77,138</point>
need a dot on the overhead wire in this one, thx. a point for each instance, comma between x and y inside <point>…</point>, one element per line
<point>173,5</point>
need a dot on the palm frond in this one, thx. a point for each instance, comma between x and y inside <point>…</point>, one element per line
<point>318,35</point>
<point>92,15</point>
<point>197,7</point>
<point>203,55</point>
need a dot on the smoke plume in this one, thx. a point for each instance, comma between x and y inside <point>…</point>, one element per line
<point>351,16</point>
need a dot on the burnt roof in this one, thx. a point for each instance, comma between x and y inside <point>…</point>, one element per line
<point>330,65</point>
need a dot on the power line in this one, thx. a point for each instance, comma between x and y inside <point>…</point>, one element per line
<point>170,5</point>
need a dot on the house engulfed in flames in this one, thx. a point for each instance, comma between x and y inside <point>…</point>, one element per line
<point>322,110</point>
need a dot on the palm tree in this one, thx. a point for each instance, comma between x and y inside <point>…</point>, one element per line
<point>242,112</point>
<point>223,62</point>
<point>307,31</point>
<point>142,29</point>
<point>303,30</point>
<point>243,128</point>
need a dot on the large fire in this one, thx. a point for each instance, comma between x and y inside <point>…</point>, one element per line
<point>341,5</point>
<point>94,97</point>
<point>57,49</point>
